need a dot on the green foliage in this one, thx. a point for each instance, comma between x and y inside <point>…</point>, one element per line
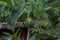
<point>6,37</point>
<point>46,12</point>
<point>12,19</point>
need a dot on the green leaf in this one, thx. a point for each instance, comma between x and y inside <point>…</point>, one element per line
<point>6,37</point>
<point>52,17</point>
<point>9,2</point>
<point>15,15</point>
<point>3,3</point>
<point>33,37</point>
<point>5,12</point>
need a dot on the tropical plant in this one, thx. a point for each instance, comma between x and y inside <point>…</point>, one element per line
<point>42,17</point>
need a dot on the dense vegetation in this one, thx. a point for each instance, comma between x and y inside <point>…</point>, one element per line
<point>45,14</point>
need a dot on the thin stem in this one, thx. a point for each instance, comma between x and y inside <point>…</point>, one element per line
<point>28,34</point>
